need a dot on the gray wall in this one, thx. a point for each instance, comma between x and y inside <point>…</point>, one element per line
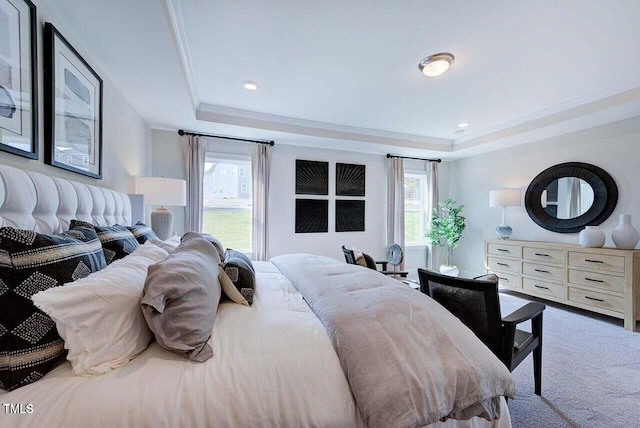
<point>613,147</point>
<point>126,136</point>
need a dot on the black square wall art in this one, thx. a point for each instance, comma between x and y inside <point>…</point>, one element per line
<point>312,215</point>
<point>350,179</point>
<point>312,177</point>
<point>349,216</point>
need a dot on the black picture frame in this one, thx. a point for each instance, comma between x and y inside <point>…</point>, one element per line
<point>350,215</point>
<point>76,146</point>
<point>312,177</point>
<point>605,197</point>
<point>350,179</point>
<point>19,122</point>
<point>312,216</point>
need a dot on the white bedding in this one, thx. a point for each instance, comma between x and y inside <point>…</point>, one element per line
<point>273,366</point>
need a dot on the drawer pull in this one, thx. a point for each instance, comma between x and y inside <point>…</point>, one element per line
<point>540,286</point>
<point>502,264</point>
<point>593,261</point>
<point>503,250</point>
<point>542,271</point>
<point>593,280</point>
<point>593,298</point>
<point>542,255</point>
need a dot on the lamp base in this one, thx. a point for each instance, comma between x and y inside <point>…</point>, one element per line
<point>162,222</point>
<point>504,231</point>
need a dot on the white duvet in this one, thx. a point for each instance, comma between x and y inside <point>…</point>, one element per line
<point>273,366</point>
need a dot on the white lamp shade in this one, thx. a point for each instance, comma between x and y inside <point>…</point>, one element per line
<point>162,191</point>
<point>504,198</point>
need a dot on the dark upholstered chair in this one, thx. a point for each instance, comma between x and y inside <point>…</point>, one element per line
<point>371,264</point>
<point>477,304</point>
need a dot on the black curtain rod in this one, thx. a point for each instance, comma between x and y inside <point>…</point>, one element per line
<point>408,157</point>
<point>182,132</point>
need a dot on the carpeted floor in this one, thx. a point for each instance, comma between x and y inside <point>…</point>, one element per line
<point>590,371</point>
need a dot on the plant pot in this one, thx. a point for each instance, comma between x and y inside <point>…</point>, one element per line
<point>449,270</point>
<point>625,236</point>
<point>591,237</point>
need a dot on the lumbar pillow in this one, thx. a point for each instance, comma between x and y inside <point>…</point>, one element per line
<point>240,272</point>
<point>181,296</point>
<point>31,262</point>
<point>99,316</point>
<point>142,232</point>
<point>117,241</point>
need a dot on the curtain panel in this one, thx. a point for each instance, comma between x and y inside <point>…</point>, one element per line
<point>194,152</point>
<point>431,206</point>
<point>395,203</point>
<point>260,173</point>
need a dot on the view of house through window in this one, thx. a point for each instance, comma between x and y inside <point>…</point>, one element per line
<point>415,215</point>
<point>227,200</point>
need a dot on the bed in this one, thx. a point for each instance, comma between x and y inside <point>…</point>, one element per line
<point>274,363</point>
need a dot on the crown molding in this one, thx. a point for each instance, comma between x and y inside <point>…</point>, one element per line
<point>173,10</point>
<point>250,119</point>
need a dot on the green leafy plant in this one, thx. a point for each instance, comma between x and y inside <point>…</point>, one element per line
<point>447,226</point>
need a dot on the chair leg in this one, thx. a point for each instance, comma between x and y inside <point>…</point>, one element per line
<point>536,328</point>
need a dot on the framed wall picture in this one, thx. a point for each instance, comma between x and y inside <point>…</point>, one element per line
<point>312,215</point>
<point>73,108</point>
<point>350,179</point>
<point>349,215</point>
<point>18,78</point>
<point>312,177</point>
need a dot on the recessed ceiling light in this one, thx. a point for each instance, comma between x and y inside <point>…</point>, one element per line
<point>463,124</point>
<point>435,65</point>
<point>250,86</point>
<point>460,132</point>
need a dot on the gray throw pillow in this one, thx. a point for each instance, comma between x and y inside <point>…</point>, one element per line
<point>180,299</point>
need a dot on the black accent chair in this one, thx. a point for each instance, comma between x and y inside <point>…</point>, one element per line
<point>371,264</point>
<point>477,304</point>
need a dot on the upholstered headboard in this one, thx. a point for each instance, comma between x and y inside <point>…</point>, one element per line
<point>34,201</point>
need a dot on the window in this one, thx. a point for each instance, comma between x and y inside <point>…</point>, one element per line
<point>415,209</point>
<point>227,200</point>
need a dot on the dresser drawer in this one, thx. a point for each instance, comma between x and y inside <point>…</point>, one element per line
<point>603,281</point>
<point>504,250</point>
<point>593,298</point>
<point>596,261</point>
<point>504,265</point>
<point>509,280</point>
<point>543,256</point>
<point>548,273</point>
<point>544,287</point>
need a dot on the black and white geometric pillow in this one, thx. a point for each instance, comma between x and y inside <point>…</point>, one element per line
<point>117,241</point>
<point>31,262</point>
<point>240,271</point>
<point>142,232</point>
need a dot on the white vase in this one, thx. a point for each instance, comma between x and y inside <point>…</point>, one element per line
<point>591,237</point>
<point>625,236</point>
<point>449,270</point>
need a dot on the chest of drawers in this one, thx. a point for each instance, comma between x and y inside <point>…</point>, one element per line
<point>604,280</point>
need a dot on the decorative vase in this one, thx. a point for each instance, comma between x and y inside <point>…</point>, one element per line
<point>591,237</point>
<point>625,236</point>
<point>449,270</point>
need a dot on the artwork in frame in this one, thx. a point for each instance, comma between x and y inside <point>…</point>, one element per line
<point>18,78</point>
<point>350,179</point>
<point>312,177</point>
<point>73,108</point>
<point>312,215</point>
<point>349,215</point>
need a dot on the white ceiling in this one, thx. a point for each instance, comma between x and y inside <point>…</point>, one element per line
<point>341,71</point>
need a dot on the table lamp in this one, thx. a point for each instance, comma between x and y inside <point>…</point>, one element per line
<point>504,198</point>
<point>162,191</point>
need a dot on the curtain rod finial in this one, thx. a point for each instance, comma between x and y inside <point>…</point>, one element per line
<point>180,132</point>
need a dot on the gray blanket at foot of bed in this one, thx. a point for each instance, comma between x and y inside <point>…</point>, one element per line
<point>409,362</point>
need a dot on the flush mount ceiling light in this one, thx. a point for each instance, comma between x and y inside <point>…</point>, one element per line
<point>435,65</point>
<point>463,125</point>
<point>250,86</point>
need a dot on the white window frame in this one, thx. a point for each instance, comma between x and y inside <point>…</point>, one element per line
<point>422,175</point>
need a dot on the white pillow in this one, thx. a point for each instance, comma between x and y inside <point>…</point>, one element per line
<point>99,316</point>
<point>169,245</point>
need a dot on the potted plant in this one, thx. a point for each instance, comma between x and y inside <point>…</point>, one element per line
<point>446,230</point>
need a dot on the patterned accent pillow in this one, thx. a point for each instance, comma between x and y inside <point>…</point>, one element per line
<point>240,271</point>
<point>31,262</point>
<point>142,232</point>
<point>117,241</point>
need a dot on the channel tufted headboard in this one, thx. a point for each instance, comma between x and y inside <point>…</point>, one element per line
<point>34,201</point>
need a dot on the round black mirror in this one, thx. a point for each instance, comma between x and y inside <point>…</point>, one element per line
<point>567,197</point>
